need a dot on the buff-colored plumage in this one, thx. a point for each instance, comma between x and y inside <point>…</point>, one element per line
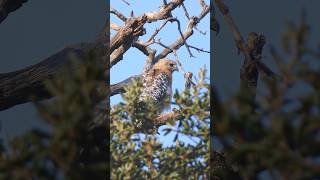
<point>157,83</point>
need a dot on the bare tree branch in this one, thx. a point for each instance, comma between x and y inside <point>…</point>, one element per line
<point>159,29</point>
<point>185,11</point>
<point>114,26</point>
<point>199,49</point>
<point>8,6</point>
<point>119,87</point>
<point>183,38</point>
<point>165,11</point>
<point>133,28</point>
<point>18,87</point>
<point>252,50</point>
<point>118,14</point>
<point>126,2</point>
<point>162,119</point>
<point>187,33</point>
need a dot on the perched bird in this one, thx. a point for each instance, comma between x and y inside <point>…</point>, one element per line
<point>157,84</point>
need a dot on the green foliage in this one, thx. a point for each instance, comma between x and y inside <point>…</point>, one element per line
<point>279,133</point>
<point>71,150</point>
<point>140,113</point>
<point>133,157</point>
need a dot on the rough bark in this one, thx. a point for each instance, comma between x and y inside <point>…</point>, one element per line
<point>19,86</point>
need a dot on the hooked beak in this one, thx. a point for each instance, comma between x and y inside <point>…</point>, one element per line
<point>176,69</point>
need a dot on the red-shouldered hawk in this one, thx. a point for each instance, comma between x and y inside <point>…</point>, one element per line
<point>157,83</point>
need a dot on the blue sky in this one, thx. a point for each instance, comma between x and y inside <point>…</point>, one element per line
<point>133,60</point>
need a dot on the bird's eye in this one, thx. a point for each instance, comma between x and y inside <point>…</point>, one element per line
<point>171,65</point>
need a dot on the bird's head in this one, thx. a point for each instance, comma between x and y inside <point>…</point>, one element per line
<point>167,64</point>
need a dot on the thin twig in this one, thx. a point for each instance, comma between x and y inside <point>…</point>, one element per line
<point>171,19</point>
<point>187,75</point>
<point>126,2</point>
<point>184,39</point>
<point>188,17</point>
<point>187,33</point>
<point>158,29</point>
<point>163,45</point>
<point>199,49</point>
<point>185,11</point>
<point>178,61</point>
<point>202,4</point>
<point>201,32</point>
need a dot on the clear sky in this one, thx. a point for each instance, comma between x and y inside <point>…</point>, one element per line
<point>133,60</point>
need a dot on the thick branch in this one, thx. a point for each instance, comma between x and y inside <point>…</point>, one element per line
<point>165,11</point>
<point>8,6</point>
<point>162,119</point>
<point>18,87</point>
<point>119,87</point>
<point>252,50</point>
<point>132,29</point>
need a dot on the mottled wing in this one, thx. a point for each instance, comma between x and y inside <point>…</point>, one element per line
<point>147,78</point>
<point>155,87</point>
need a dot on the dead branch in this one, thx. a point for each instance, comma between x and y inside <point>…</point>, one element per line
<point>143,47</point>
<point>149,52</point>
<point>183,38</point>
<point>119,87</point>
<point>186,34</point>
<point>185,11</point>
<point>252,50</point>
<point>165,11</point>
<point>17,87</point>
<point>133,28</point>
<point>159,29</point>
<point>188,80</point>
<point>118,14</point>
<point>202,4</point>
<point>8,6</point>
<point>171,19</point>
<point>199,49</point>
<point>162,119</point>
<point>126,2</point>
<point>114,26</point>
